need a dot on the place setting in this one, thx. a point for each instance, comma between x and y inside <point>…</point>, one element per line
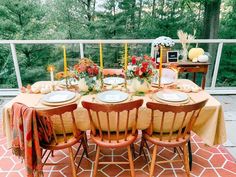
<point>58,98</point>
<point>112,96</point>
<point>170,97</point>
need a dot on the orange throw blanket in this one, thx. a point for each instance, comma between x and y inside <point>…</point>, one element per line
<point>28,131</point>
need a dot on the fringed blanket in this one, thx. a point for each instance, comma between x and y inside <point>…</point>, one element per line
<point>28,131</point>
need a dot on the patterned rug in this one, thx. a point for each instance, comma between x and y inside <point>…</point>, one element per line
<point>207,161</point>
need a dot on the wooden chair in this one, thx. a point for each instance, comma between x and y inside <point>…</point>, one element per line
<point>186,114</point>
<point>63,140</point>
<point>117,138</point>
<point>113,72</point>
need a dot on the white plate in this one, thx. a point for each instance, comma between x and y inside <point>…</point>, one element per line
<point>165,81</point>
<point>112,96</point>
<point>113,80</point>
<point>59,96</point>
<point>70,81</point>
<point>172,96</point>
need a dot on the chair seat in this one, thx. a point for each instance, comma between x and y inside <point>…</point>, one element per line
<point>113,143</point>
<point>71,140</point>
<point>155,139</point>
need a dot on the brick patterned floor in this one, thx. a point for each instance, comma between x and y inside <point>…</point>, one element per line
<point>207,161</point>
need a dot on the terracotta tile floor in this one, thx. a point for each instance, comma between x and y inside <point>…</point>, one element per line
<point>207,161</point>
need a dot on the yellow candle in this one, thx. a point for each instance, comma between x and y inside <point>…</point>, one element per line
<point>65,62</point>
<point>126,56</point>
<point>160,65</point>
<point>101,59</point>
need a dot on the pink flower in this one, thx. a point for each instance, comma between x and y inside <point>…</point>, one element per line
<point>82,68</point>
<point>146,57</point>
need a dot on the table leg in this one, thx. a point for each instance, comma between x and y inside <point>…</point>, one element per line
<point>194,77</point>
<point>203,80</point>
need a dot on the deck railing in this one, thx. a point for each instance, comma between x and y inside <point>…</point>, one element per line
<point>212,89</point>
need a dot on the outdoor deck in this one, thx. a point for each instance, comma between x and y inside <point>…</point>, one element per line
<point>207,161</point>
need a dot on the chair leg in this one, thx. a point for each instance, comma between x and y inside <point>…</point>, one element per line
<point>52,153</point>
<point>131,163</point>
<point>153,161</point>
<point>186,162</point>
<point>85,146</point>
<point>72,162</point>
<point>141,146</point>
<point>133,150</point>
<point>145,156</point>
<point>190,155</point>
<point>96,162</point>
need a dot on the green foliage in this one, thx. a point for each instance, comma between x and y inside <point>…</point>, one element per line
<point>111,19</point>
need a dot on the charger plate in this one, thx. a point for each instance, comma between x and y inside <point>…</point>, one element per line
<point>172,96</point>
<point>112,96</point>
<point>77,96</point>
<point>162,96</point>
<point>58,96</point>
<point>113,80</point>
<point>165,81</point>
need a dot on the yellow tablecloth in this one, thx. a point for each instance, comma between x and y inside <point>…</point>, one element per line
<point>210,126</point>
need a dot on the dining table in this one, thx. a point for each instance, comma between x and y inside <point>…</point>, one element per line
<point>210,126</point>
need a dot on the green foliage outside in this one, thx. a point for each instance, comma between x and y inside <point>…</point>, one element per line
<point>107,19</point>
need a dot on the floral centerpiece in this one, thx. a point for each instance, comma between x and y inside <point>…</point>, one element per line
<point>166,43</point>
<point>87,73</point>
<point>140,70</point>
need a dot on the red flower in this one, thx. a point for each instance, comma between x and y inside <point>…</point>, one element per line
<point>143,69</point>
<point>133,60</point>
<point>145,64</point>
<point>136,72</point>
<point>90,71</point>
<point>150,72</point>
<point>95,70</point>
<point>153,59</point>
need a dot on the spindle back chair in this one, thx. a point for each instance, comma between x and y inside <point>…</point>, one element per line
<point>172,138</point>
<point>117,138</point>
<point>63,139</point>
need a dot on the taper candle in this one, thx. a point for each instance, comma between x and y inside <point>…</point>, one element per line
<point>51,74</point>
<point>65,61</point>
<point>160,65</point>
<point>126,56</point>
<point>101,59</point>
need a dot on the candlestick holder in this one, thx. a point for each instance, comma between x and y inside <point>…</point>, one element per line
<point>125,84</point>
<point>159,82</point>
<point>67,83</point>
<point>101,79</point>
